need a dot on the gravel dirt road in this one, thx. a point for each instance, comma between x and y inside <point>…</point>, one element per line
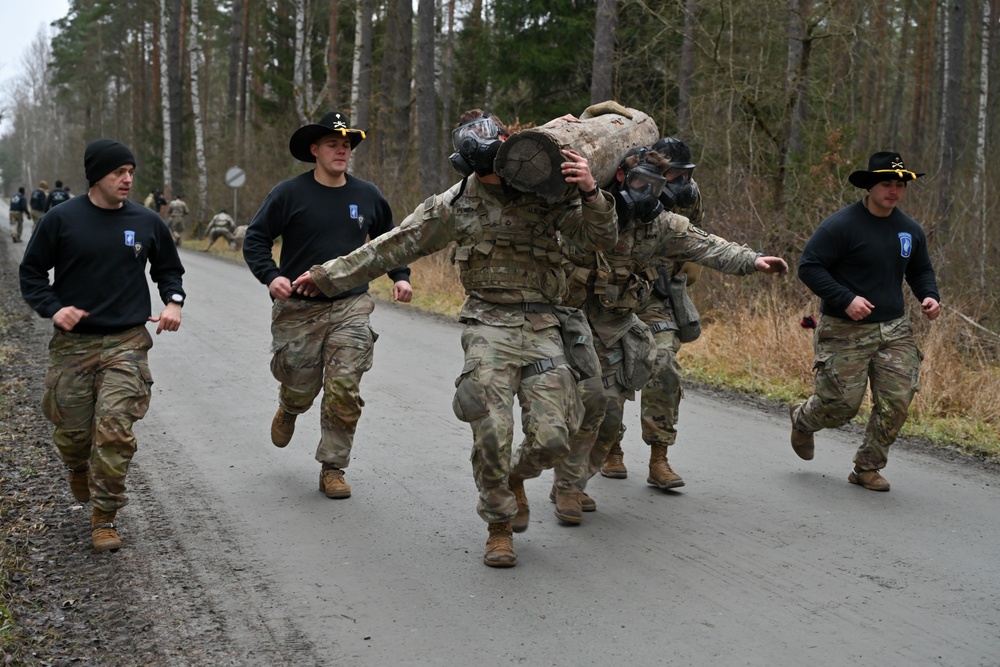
<point>232,555</point>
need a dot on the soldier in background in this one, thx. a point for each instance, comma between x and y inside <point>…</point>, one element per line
<point>221,226</point>
<point>38,204</point>
<point>58,196</point>
<point>18,207</point>
<point>661,397</point>
<point>177,212</point>
<point>509,253</point>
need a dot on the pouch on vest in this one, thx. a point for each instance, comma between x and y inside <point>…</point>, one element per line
<point>685,314</point>
<point>578,342</point>
<point>638,357</point>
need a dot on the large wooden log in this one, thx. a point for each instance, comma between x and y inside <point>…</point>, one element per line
<point>530,160</point>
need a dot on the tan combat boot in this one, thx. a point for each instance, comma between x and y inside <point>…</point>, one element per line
<point>519,523</point>
<point>79,484</point>
<point>500,546</point>
<point>568,507</point>
<point>102,529</point>
<point>802,442</point>
<point>282,428</point>
<point>331,482</point>
<point>587,504</point>
<point>870,479</point>
<point>614,465</point>
<point>660,472</point>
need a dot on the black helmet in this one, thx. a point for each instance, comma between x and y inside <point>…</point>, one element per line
<point>678,152</point>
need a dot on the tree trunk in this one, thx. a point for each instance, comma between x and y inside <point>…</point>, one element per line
<point>530,160</point>
<point>361,79</point>
<point>447,68</point>
<point>168,167</point>
<point>602,63</point>
<point>176,97</point>
<point>197,60</point>
<point>235,40</point>
<point>952,116</point>
<point>241,120</point>
<point>427,145</point>
<point>299,79</point>
<point>685,78</point>
<point>979,178</point>
<point>331,57</point>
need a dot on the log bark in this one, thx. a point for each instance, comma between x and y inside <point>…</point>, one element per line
<point>530,160</point>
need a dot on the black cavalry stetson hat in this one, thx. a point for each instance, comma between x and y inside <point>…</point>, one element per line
<point>331,123</point>
<point>882,166</point>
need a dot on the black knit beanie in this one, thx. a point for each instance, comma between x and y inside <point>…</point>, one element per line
<point>103,156</point>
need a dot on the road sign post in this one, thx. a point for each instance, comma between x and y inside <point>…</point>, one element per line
<point>236,178</point>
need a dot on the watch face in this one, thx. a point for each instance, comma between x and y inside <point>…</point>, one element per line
<point>177,298</point>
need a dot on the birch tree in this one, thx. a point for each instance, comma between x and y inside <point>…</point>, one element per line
<point>427,145</point>
<point>197,60</point>
<point>361,77</point>
<point>300,80</point>
<point>168,167</point>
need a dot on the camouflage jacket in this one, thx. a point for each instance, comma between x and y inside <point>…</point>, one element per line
<point>613,285</point>
<point>222,221</point>
<point>509,247</point>
<point>177,209</point>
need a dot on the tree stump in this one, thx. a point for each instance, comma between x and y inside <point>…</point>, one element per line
<point>530,160</point>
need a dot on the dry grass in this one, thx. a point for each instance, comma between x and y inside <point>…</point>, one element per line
<point>752,342</point>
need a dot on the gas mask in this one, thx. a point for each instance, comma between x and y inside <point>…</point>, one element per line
<point>476,146</point>
<point>638,198</point>
<point>679,193</point>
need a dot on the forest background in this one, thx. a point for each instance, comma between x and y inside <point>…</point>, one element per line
<point>779,99</point>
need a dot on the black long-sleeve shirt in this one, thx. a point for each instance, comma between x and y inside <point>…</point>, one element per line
<point>99,256</point>
<point>854,253</point>
<point>316,223</point>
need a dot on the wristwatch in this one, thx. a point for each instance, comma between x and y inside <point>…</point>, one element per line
<point>177,298</point>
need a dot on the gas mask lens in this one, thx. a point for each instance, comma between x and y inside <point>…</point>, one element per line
<point>480,130</point>
<point>644,181</point>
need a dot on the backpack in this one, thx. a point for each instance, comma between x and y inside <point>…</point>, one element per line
<point>38,200</point>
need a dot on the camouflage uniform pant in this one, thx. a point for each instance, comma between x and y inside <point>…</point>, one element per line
<point>36,217</point>
<point>490,379</point>
<point>661,397</point>
<point>16,225</point>
<point>850,356</point>
<point>589,449</point>
<point>96,387</point>
<point>324,346</point>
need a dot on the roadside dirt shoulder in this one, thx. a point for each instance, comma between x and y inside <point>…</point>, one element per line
<point>67,604</point>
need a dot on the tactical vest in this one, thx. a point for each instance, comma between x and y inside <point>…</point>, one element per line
<point>515,252</point>
<point>620,279</point>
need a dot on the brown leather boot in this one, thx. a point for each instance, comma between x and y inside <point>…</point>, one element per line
<point>614,464</point>
<point>500,546</point>
<point>587,504</point>
<point>102,529</point>
<point>282,428</point>
<point>568,507</point>
<point>519,523</point>
<point>660,472</point>
<point>79,484</point>
<point>870,479</point>
<point>802,442</point>
<point>331,482</point>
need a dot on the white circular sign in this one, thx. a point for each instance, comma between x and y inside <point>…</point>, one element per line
<point>236,177</point>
